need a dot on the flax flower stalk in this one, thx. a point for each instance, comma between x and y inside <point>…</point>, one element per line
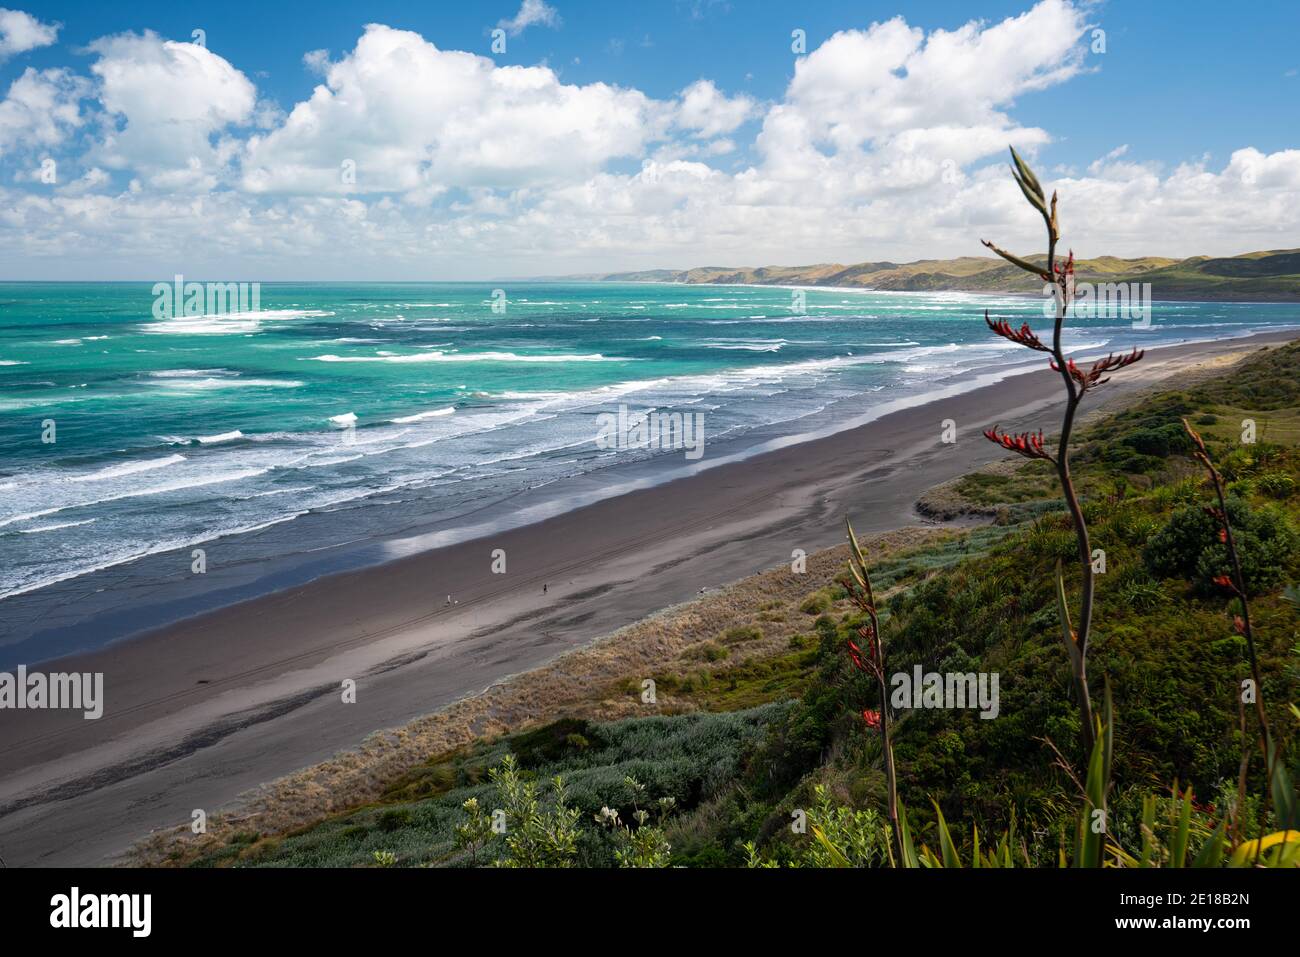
<point>869,658</point>
<point>1077,382</point>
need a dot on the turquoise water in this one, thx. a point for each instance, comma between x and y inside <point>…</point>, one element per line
<point>171,433</point>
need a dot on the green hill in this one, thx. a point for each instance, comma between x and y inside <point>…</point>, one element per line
<point>1267,276</point>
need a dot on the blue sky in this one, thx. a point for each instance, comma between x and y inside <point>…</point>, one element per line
<point>1177,84</point>
<point>1178,79</point>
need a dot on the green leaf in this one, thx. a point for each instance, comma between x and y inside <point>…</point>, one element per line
<point>950,856</point>
<point>1148,830</point>
<point>1211,855</point>
<point>1063,613</point>
<point>1024,264</point>
<point>856,562</point>
<point>1108,737</point>
<point>1182,833</point>
<point>1024,172</point>
<point>1092,843</point>
<point>1035,200</point>
<point>905,834</point>
<point>837,856</point>
<point>1284,798</point>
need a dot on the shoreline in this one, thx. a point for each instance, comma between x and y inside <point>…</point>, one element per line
<point>205,709</point>
<point>125,600</point>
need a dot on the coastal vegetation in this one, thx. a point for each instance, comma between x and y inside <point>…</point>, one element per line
<point>743,741</point>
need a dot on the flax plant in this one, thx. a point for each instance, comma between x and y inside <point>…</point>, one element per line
<point>1077,382</point>
<point>869,659</point>
<point>1279,785</point>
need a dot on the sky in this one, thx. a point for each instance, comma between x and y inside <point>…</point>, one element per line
<point>478,140</point>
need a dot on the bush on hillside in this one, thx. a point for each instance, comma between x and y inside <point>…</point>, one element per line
<point>1188,546</point>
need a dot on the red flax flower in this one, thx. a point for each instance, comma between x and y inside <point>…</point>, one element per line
<point>1028,444</point>
<point>871,662</point>
<point>1023,336</point>
<point>1093,377</point>
<point>871,717</point>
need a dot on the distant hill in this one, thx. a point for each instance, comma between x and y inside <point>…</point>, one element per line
<point>1270,276</point>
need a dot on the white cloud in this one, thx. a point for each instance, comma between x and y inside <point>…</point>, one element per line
<point>20,32</point>
<point>531,13</point>
<point>1096,166</point>
<point>41,108</point>
<point>708,112</point>
<point>901,102</point>
<point>412,117</point>
<point>318,61</point>
<point>167,101</point>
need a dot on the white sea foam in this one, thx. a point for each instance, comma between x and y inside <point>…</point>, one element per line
<point>745,345</point>
<point>219,438</point>
<point>221,382</point>
<point>197,481</point>
<point>128,468</point>
<point>439,356</point>
<point>228,323</point>
<point>421,416</point>
<point>37,529</point>
<point>189,373</point>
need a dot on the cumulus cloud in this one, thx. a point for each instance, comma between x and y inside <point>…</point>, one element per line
<point>406,115</point>
<point>167,100</point>
<point>708,112</point>
<point>40,109</point>
<point>20,32</point>
<point>892,105</point>
<point>531,13</point>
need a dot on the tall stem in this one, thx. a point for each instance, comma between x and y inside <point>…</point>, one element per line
<point>890,777</point>
<point>1079,663</point>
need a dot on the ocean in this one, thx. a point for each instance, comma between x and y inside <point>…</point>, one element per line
<point>338,419</point>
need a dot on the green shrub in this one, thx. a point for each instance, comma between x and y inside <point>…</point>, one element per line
<point>1160,442</point>
<point>1189,547</point>
<point>1275,484</point>
<point>1141,595</point>
<point>394,819</point>
<point>816,604</point>
<point>708,651</point>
